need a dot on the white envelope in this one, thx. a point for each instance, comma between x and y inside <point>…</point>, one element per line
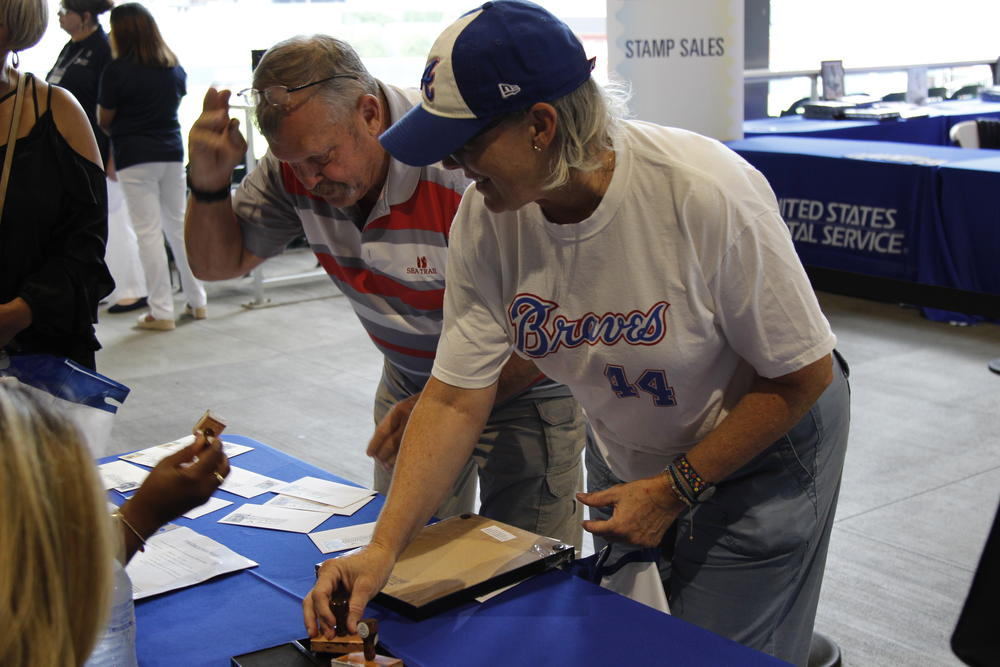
<point>323,491</point>
<point>341,539</point>
<point>275,518</point>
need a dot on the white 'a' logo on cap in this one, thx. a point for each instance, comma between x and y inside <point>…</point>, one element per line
<point>509,90</point>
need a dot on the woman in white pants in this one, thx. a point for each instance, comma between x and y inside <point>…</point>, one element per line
<point>122,255</point>
<point>137,105</point>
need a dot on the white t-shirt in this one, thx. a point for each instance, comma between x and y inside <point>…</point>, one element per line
<point>655,311</point>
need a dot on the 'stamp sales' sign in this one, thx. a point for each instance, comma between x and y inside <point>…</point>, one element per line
<point>684,59</point>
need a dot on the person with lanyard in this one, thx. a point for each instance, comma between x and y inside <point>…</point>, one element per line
<point>648,269</point>
<point>81,61</point>
<point>78,69</point>
<point>53,229</point>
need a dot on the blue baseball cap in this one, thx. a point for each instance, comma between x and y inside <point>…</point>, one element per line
<point>497,59</point>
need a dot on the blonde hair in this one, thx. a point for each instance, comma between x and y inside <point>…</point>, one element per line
<point>55,537</point>
<point>25,21</point>
<point>589,120</point>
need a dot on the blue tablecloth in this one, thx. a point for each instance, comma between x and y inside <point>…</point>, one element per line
<point>963,247</point>
<point>908,212</point>
<point>553,618</point>
<point>931,129</point>
<point>923,130</point>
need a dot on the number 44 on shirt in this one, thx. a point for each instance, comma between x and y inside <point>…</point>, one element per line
<point>652,382</point>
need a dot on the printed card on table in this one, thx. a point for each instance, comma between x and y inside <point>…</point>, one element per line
<point>293,502</point>
<point>249,484</point>
<point>348,510</point>
<point>153,455</point>
<point>210,506</point>
<point>341,539</point>
<point>122,476</point>
<point>176,557</point>
<point>324,491</point>
<point>275,518</point>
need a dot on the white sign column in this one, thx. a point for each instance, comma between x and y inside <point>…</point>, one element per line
<point>684,60</point>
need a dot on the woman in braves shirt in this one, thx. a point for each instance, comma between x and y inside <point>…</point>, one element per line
<point>648,269</point>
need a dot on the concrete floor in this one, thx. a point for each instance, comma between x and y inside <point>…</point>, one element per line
<point>921,480</point>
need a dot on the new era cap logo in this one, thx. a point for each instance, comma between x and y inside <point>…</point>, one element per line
<point>509,90</point>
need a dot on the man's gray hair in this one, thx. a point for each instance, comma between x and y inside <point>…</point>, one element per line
<point>304,59</point>
<point>589,120</point>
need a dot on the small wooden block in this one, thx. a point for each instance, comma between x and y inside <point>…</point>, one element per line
<point>359,659</point>
<point>211,424</point>
<point>339,644</point>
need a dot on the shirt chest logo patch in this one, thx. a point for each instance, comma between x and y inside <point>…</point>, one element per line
<point>421,267</point>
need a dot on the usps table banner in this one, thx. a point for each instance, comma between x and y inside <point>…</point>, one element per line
<point>684,60</point>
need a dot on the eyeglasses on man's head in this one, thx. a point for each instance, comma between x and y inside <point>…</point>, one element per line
<point>281,96</point>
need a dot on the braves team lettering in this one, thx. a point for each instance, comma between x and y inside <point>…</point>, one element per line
<point>539,334</point>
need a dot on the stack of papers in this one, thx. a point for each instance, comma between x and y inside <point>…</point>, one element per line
<point>177,556</point>
<point>153,455</point>
<point>301,505</point>
<point>124,477</point>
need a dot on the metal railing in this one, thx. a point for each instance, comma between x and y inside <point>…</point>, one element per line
<point>758,75</point>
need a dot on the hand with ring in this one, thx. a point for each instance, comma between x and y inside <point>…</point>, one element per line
<point>180,482</point>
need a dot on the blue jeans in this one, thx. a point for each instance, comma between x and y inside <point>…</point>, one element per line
<point>752,568</point>
<point>527,459</point>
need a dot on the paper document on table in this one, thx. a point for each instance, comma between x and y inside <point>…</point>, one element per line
<point>153,455</point>
<point>324,491</point>
<point>122,476</point>
<point>177,557</point>
<point>275,518</point>
<point>348,510</point>
<point>341,539</point>
<point>295,503</point>
<point>210,506</point>
<point>248,484</point>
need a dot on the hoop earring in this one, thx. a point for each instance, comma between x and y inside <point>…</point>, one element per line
<point>15,59</point>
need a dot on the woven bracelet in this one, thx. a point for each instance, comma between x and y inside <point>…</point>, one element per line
<point>691,478</point>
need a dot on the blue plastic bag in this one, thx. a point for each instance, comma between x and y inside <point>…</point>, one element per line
<point>86,396</point>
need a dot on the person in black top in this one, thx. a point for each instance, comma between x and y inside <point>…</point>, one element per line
<point>80,63</point>
<point>138,97</point>
<point>78,69</point>
<point>53,222</point>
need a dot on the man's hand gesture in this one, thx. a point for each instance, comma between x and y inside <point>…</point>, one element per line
<point>215,145</point>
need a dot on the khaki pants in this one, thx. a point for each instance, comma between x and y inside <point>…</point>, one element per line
<point>528,460</point>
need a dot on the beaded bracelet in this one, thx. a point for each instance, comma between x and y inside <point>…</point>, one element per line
<point>676,482</point>
<point>690,476</point>
<point>677,492</point>
<point>142,543</point>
